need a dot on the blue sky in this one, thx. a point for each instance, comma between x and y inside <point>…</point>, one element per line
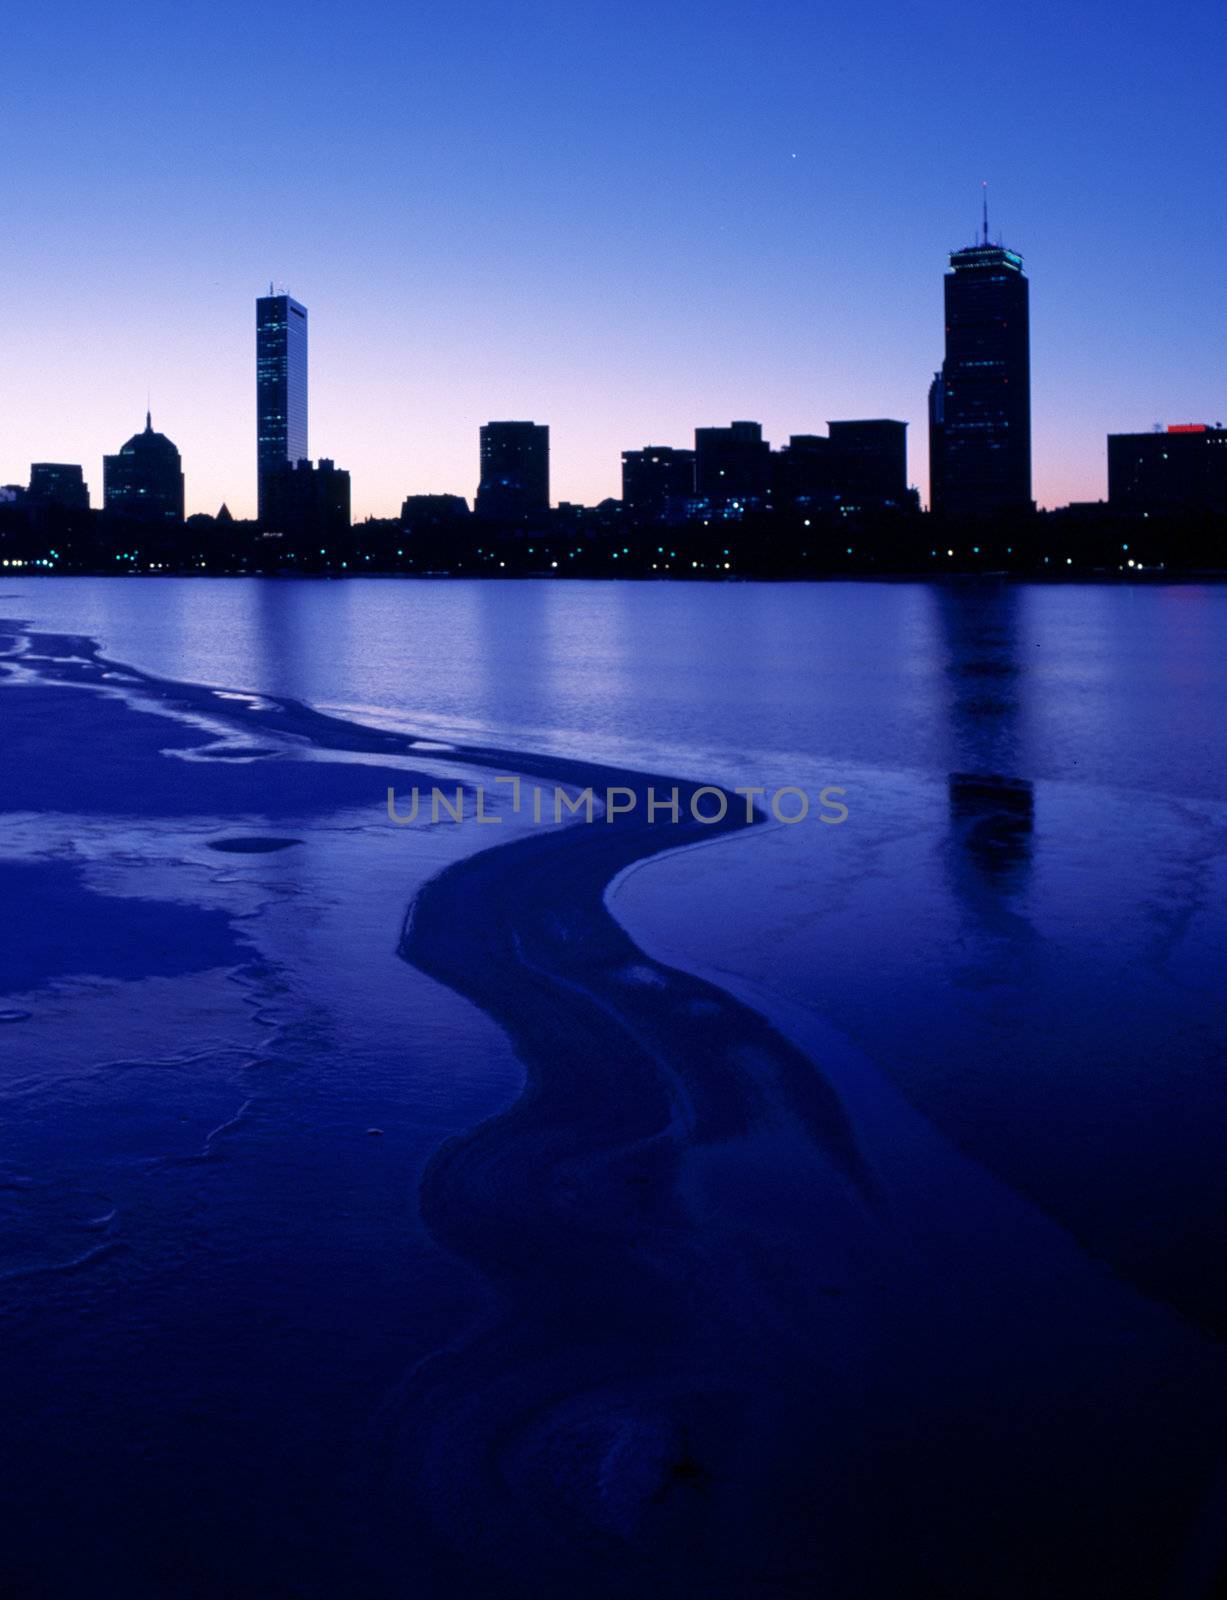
<point>624,220</point>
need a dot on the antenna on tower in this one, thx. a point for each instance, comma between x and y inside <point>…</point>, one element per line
<point>984,197</point>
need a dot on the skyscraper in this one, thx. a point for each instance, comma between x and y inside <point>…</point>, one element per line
<point>980,408</point>
<point>281,386</point>
<point>145,480</point>
<point>515,471</point>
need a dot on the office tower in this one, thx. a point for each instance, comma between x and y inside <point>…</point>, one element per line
<point>870,460</point>
<point>145,480</point>
<point>732,463</point>
<point>1182,469</point>
<point>984,405</point>
<point>55,483</point>
<point>803,472</point>
<point>515,471</point>
<point>281,386</point>
<point>656,479</point>
<point>306,502</point>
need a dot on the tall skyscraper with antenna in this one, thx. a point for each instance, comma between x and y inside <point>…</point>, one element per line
<point>980,401</point>
<point>281,388</point>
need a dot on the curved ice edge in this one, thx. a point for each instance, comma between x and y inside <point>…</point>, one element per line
<point>620,1077</point>
<point>595,855</point>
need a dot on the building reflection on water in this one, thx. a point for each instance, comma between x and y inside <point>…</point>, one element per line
<point>992,819</point>
<point>991,806</point>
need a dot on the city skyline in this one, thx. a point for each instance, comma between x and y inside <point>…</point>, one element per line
<point>291,442</point>
<point>974,328</point>
<point>623,231</point>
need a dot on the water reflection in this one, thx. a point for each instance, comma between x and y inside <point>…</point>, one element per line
<point>992,809</point>
<point>282,636</point>
<point>992,821</point>
<point>1081,683</point>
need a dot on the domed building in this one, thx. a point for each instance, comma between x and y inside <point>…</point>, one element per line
<point>145,480</point>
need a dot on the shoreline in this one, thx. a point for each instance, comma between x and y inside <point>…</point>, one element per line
<point>1092,579</point>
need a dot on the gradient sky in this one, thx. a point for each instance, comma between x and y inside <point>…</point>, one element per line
<point>624,219</point>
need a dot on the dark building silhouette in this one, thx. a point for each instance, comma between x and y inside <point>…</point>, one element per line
<point>732,463</point>
<point>281,387</point>
<point>56,483</point>
<point>515,471</point>
<point>434,511</point>
<point>145,480</point>
<point>656,479</point>
<point>858,466</point>
<point>937,444</point>
<point>980,454</point>
<point>870,460</point>
<point>1182,469</point>
<point>306,502</point>
<point>803,472</point>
